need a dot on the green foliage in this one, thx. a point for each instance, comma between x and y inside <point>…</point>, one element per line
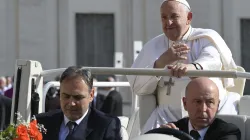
<point>9,133</point>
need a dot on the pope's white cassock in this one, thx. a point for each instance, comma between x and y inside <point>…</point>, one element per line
<point>206,48</point>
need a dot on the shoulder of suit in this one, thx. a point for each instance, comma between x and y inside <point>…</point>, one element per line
<point>181,121</point>
<point>50,114</point>
<point>225,126</point>
<point>102,117</point>
<point>5,99</point>
<point>114,92</point>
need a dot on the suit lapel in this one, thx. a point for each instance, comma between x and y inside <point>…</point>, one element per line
<point>185,129</point>
<point>212,128</point>
<point>183,125</point>
<point>91,123</point>
<point>84,128</point>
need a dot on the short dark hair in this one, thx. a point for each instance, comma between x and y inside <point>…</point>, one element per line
<point>75,71</point>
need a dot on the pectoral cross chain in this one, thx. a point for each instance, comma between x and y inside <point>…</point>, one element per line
<point>169,83</point>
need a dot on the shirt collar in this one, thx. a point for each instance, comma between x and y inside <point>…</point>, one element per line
<point>202,132</point>
<point>111,89</point>
<point>186,35</point>
<point>66,120</point>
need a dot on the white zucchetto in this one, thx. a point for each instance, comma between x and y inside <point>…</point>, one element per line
<point>184,2</point>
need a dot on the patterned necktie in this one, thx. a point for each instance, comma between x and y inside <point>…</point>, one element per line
<point>195,134</point>
<point>71,125</point>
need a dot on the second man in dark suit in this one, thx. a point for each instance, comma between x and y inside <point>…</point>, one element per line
<point>5,112</point>
<point>113,103</point>
<point>201,102</point>
<point>77,121</point>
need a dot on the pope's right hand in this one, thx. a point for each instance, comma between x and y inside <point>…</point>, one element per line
<point>169,125</point>
<point>177,52</point>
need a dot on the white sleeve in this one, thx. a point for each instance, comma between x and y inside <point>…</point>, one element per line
<point>143,85</point>
<point>209,57</point>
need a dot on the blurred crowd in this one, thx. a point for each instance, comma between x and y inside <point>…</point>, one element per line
<point>6,86</point>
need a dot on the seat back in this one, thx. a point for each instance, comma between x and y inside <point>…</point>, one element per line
<point>155,137</point>
<point>239,83</point>
<point>243,105</point>
<point>147,105</point>
<point>133,127</point>
<point>124,123</point>
<point>247,128</point>
<point>238,120</point>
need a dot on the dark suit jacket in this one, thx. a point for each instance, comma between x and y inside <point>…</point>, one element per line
<point>95,126</point>
<point>5,111</point>
<point>99,100</point>
<point>113,104</point>
<point>218,130</point>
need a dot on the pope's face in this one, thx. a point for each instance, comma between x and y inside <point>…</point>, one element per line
<point>175,19</point>
<point>75,97</point>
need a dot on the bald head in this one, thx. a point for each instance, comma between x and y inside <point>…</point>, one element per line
<point>202,83</point>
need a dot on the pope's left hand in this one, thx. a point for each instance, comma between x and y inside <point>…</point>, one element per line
<point>180,69</point>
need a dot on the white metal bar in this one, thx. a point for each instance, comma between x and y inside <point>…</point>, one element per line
<point>153,72</point>
<point>111,84</point>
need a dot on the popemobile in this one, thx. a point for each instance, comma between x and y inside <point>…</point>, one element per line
<point>30,92</point>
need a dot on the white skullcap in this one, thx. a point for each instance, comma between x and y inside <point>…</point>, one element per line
<point>184,2</point>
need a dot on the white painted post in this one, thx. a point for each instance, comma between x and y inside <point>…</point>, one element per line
<point>118,60</point>
<point>135,100</point>
<point>137,48</point>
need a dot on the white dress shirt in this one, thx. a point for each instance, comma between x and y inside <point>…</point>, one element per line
<point>202,132</point>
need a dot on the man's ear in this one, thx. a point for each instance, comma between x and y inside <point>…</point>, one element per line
<point>184,100</point>
<point>218,106</point>
<point>189,18</point>
<point>91,94</point>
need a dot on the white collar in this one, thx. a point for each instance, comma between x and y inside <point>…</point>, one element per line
<point>66,120</point>
<point>95,93</point>
<point>111,89</point>
<point>185,37</point>
<point>202,132</point>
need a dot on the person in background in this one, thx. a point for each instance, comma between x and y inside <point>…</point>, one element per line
<point>113,102</point>
<point>3,87</point>
<point>5,112</point>
<point>52,101</point>
<point>98,98</point>
<point>9,82</point>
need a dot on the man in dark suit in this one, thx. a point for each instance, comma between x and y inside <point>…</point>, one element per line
<point>113,103</point>
<point>5,111</point>
<point>98,99</point>
<point>76,120</point>
<point>201,101</point>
